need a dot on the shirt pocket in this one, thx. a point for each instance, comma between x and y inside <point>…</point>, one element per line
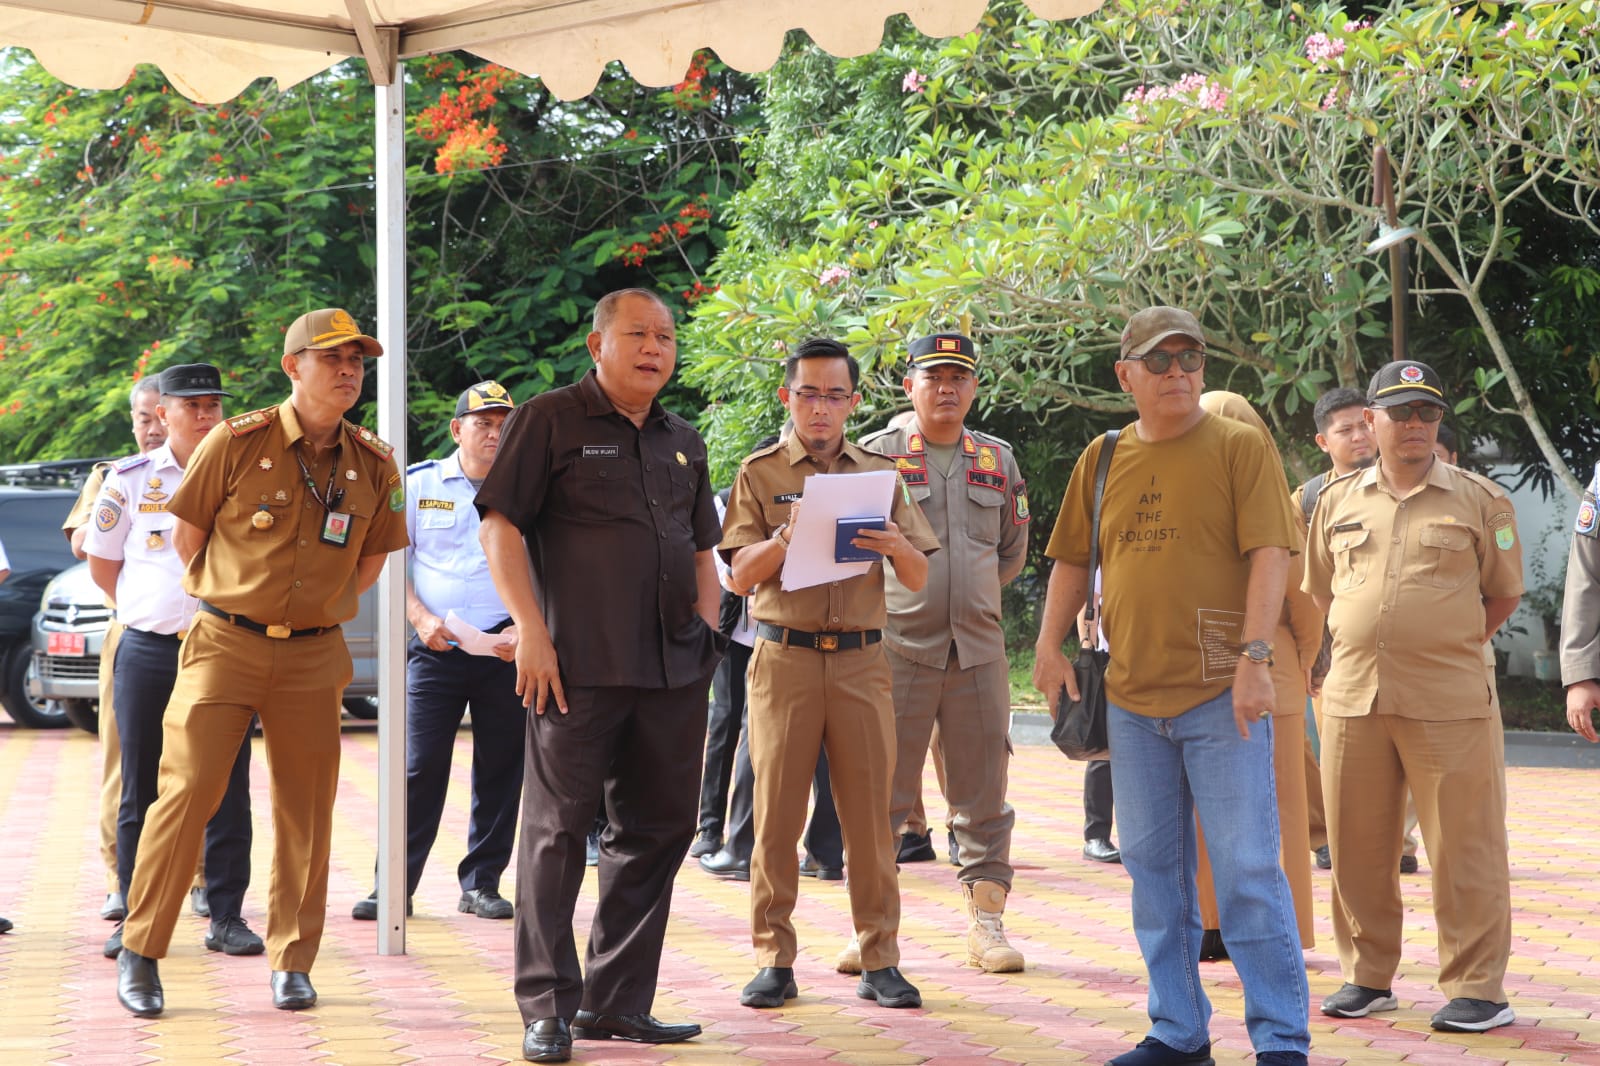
<point>438,517</point>
<point>1447,556</point>
<point>986,503</point>
<point>600,487</point>
<point>1352,557</point>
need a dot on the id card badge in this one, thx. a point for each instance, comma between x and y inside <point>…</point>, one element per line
<point>336,529</point>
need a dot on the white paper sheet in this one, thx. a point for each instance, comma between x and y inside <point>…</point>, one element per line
<point>825,499</point>
<point>471,639</point>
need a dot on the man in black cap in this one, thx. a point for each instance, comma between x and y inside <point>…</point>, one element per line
<point>132,557</point>
<point>1417,563</point>
<point>945,643</point>
<point>446,571</point>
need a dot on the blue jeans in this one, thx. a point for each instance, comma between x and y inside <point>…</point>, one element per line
<point>1163,771</point>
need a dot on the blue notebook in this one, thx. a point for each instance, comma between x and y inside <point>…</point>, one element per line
<point>845,532</point>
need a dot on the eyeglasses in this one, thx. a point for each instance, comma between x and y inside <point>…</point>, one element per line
<point>1189,360</point>
<point>1403,412</point>
<point>813,396</point>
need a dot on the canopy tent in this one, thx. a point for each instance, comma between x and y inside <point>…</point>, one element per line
<point>210,50</point>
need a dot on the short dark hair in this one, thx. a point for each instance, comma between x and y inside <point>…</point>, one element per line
<point>1447,437</point>
<point>821,348</point>
<point>1332,401</point>
<point>606,309</point>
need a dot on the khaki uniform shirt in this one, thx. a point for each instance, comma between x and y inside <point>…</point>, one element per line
<point>284,574</point>
<point>979,512</point>
<point>1580,607</point>
<point>1407,578</point>
<point>83,510</point>
<point>768,481</point>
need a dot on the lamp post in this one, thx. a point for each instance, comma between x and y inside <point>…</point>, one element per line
<point>1391,236</point>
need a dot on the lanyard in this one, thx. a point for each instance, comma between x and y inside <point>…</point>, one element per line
<point>335,496</point>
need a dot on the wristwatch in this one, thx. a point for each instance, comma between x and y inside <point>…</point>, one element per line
<point>1257,651</point>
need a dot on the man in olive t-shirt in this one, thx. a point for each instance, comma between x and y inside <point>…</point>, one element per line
<point>1194,543</point>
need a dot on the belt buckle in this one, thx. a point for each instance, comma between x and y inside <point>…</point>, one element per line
<point>279,632</point>
<point>827,642</point>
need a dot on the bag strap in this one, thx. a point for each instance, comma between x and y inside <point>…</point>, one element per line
<point>1309,493</point>
<point>1101,469</point>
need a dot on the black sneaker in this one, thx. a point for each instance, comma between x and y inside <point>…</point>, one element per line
<point>232,937</point>
<point>1281,1058</point>
<point>1408,864</point>
<point>889,987</point>
<point>1324,858</point>
<point>366,910</point>
<point>916,848</point>
<point>769,987</point>
<point>709,842</point>
<point>485,903</point>
<point>1211,946</point>
<point>1152,1052</point>
<point>1472,1016</point>
<point>1358,1001</point>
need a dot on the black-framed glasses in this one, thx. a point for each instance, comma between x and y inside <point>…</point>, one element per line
<point>1189,360</point>
<point>813,396</point>
<point>1402,412</point>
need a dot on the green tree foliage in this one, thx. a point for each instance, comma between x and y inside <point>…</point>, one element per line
<point>141,230</point>
<point>1054,177</point>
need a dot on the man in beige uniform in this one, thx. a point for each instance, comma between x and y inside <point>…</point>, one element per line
<point>285,517</point>
<point>945,642</point>
<point>819,678</point>
<point>1417,563</point>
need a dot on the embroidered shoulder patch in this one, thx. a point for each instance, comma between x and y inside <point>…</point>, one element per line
<point>1019,504</point>
<point>1588,517</point>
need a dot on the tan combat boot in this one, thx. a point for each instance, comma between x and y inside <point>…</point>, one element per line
<point>987,948</point>
<point>849,960</point>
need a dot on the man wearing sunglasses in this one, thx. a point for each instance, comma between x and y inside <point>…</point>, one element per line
<point>1195,536</point>
<point>1417,563</point>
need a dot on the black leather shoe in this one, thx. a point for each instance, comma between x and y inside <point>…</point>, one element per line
<point>5,925</point>
<point>113,946</point>
<point>769,987</point>
<point>291,990</point>
<point>640,1028</point>
<point>547,1040</point>
<point>1152,1052</point>
<point>1211,946</point>
<point>810,867</point>
<point>889,987</point>
<point>139,985</point>
<point>485,903</point>
<point>115,907</point>
<point>198,903</point>
<point>914,848</point>
<point>726,865</point>
<point>1408,864</point>
<point>1100,850</point>
<point>709,842</point>
<point>366,910</point>
<point>232,937</point>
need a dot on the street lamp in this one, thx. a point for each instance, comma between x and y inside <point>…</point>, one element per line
<point>1392,237</point>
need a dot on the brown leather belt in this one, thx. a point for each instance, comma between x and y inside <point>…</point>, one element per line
<point>797,638</point>
<point>275,632</point>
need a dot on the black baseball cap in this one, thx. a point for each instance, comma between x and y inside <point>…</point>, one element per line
<point>1404,381</point>
<point>191,379</point>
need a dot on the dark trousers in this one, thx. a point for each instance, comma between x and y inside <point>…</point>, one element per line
<point>823,839</point>
<point>1097,799</point>
<point>639,750</point>
<point>144,671</point>
<point>439,686</point>
<point>724,726</point>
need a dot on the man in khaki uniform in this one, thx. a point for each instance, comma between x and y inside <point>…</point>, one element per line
<point>819,679</point>
<point>1580,616</point>
<point>1417,563</point>
<point>285,516</point>
<point>944,640</point>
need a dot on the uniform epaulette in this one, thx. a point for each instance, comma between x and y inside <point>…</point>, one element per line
<point>131,462</point>
<point>990,438</point>
<point>374,444</point>
<point>1489,485</point>
<point>414,467</point>
<point>239,425</point>
<point>1334,479</point>
<point>875,434</point>
<point>768,450</point>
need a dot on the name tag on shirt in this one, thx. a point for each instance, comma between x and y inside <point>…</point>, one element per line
<point>602,451</point>
<point>436,505</point>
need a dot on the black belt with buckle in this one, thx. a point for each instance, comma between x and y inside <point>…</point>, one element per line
<point>797,638</point>
<point>275,632</point>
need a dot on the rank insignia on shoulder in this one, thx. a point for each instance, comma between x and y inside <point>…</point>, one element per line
<point>239,425</point>
<point>1588,517</point>
<point>373,443</point>
<point>131,462</point>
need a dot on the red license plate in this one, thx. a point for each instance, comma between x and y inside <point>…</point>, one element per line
<point>67,644</point>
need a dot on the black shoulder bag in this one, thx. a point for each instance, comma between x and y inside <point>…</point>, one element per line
<point>1080,726</point>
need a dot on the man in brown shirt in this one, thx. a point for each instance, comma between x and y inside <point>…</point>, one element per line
<point>819,679</point>
<point>607,495</point>
<point>1417,563</point>
<point>284,517</point>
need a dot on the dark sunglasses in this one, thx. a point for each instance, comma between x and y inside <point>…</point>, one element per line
<point>1189,360</point>
<point>1403,412</point>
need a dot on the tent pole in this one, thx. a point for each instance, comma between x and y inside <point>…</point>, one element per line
<point>390,164</point>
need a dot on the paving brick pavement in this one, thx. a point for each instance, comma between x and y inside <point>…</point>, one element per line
<point>448,1000</point>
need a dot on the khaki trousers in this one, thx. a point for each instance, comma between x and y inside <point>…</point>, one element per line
<point>1288,771</point>
<point>1316,817</point>
<point>972,709</point>
<point>111,766</point>
<point>226,676</point>
<point>802,701</point>
<point>1455,771</point>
